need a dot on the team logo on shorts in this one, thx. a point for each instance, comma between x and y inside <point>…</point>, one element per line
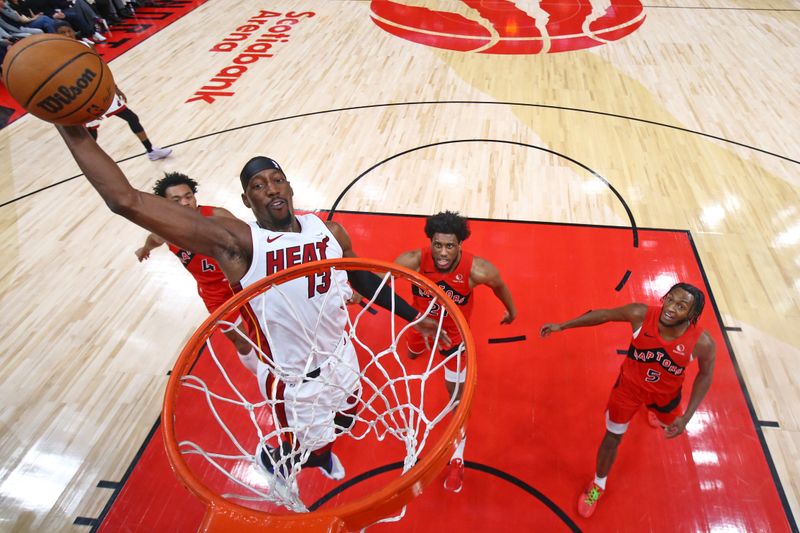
<point>510,26</point>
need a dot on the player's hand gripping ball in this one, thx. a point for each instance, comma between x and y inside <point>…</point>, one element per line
<point>58,79</point>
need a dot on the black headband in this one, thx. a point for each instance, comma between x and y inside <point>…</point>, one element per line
<point>256,165</point>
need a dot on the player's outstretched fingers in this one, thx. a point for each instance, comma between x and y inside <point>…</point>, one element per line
<point>428,327</point>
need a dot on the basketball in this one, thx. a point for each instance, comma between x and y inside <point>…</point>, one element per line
<point>58,79</point>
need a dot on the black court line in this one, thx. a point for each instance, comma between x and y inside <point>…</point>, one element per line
<point>352,482</point>
<point>623,281</point>
<point>505,476</point>
<point>748,400</point>
<point>86,521</point>
<point>616,193</point>
<point>527,488</point>
<point>501,340</point>
<point>119,485</point>
<point>105,484</point>
<point>768,424</point>
<point>434,102</point>
<point>633,227</point>
<point>731,328</point>
<point>99,520</point>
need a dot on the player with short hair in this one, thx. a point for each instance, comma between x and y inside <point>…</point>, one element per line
<point>457,272</point>
<point>665,340</point>
<point>300,367</point>
<point>212,286</point>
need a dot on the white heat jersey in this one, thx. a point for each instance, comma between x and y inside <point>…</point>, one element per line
<point>303,319</point>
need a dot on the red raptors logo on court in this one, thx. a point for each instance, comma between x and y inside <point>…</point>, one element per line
<point>510,26</point>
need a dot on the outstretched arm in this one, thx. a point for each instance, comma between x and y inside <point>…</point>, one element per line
<point>485,273</point>
<point>226,240</point>
<point>633,313</point>
<point>367,283</point>
<point>705,351</point>
<point>224,213</point>
<point>152,242</point>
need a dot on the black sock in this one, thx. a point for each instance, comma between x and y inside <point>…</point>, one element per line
<point>147,145</point>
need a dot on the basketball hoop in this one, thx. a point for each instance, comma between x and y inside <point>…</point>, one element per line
<point>402,409</point>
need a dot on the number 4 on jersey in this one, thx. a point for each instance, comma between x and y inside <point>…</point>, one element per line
<point>207,266</point>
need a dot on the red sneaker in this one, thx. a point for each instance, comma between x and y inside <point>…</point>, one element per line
<point>455,475</point>
<point>587,502</point>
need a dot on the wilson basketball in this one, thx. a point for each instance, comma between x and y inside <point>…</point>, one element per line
<point>58,79</point>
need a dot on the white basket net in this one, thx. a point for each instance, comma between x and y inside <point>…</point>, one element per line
<point>251,438</point>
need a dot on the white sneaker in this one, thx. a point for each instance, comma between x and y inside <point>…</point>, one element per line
<point>98,38</point>
<point>335,471</point>
<point>158,153</point>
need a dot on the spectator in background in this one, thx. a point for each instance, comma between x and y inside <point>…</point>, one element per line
<point>11,24</point>
<point>23,16</point>
<point>77,13</point>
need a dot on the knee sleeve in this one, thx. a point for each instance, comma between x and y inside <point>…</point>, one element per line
<point>132,119</point>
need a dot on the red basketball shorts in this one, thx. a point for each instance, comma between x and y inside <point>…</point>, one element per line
<point>628,397</point>
<point>455,362</point>
<point>233,317</point>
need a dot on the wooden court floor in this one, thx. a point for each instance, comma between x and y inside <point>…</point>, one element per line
<point>686,119</point>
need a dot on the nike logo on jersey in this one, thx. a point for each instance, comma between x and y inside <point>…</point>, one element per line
<point>273,239</point>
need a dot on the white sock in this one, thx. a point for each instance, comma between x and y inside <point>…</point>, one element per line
<point>249,360</point>
<point>459,453</point>
<point>601,481</point>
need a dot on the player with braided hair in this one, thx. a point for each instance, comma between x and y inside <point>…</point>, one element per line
<point>665,340</point>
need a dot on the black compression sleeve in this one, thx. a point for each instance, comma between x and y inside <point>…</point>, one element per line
<point>367,283</point>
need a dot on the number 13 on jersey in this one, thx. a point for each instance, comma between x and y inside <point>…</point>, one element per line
<point>319,283</point>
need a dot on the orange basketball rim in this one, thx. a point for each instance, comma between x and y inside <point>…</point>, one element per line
<point>224,515</point>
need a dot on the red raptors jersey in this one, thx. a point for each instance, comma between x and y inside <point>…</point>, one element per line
<point>657,365</point>
<point>212,285</point>
<point>455,284</point>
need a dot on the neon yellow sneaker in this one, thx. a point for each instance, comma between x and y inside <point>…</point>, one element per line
<point>587,502</point>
